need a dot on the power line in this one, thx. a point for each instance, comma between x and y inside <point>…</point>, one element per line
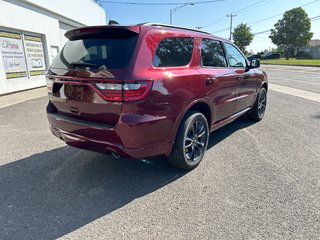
<point>261,32</point>
<point>309,3</point>
<point>250,7</point>
<point>279,14</point>
<point>253,6</point>
<point>161,4</point>
<point>265,19</point>
<point>312,19</point>
<point>261,37</point>
<point>261,20</point>
<point>315,18</point>
<point>222,30</point>
<point>211,23</point>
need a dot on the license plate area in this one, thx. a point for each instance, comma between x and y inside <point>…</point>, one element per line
<point>74,92</point>
<point>81,101</point>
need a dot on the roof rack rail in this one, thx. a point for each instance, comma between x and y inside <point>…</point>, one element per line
<point>171,26</point>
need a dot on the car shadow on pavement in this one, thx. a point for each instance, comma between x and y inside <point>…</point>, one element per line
<point>50,194</point>
<point>222,133</point>
<point>316,116</point>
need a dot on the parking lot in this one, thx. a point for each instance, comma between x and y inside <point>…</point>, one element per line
<point>257,180</point>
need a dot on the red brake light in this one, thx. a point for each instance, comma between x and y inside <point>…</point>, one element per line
<point>49,85</point>
<point>123,90</point>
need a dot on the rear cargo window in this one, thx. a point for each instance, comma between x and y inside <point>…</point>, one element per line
<point>111,53</point>
<point>173,52</point>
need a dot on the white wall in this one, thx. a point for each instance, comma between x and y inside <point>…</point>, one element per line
<point>19,17</point>
<point>63,29</point>
<point>86,12</point>
<point>27,16</point>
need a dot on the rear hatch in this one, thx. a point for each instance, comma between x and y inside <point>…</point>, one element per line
<point>86,80</point>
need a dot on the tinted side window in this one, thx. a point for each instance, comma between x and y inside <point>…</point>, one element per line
<point>234,56</point>
<point>173,52</point>
<point>212,54</point>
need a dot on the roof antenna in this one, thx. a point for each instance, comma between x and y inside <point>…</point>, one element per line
<point>113,22</point>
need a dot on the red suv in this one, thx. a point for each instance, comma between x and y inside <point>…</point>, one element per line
<point>150,89</point>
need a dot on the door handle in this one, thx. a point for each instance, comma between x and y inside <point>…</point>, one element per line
<point>210,81</point>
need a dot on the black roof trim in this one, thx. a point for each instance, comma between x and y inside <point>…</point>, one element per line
<point>100,30</point>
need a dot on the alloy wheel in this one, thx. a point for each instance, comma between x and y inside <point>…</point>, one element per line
<point>262,102</point>
<point>195,141</point>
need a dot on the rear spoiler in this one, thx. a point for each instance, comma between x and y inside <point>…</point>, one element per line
<point>102,31</point>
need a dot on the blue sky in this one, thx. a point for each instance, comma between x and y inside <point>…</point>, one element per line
<point>212,16</point>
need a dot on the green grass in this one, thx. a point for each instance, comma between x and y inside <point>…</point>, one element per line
<point>293,61</point>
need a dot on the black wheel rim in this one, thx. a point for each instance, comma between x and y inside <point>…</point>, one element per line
<point>195,141</point>
<point>262,103</point>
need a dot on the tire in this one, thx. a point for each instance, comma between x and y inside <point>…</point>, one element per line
<point>259,107</point>
<point>191,141</point>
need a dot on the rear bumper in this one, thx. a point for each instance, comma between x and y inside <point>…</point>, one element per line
<point>135,136</point>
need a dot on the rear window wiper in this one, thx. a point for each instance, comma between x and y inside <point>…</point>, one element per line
<point>82,64</point>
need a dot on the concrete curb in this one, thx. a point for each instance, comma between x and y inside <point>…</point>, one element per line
<point>18,97</point>
<point>313,70</point>
<point>296,65</point>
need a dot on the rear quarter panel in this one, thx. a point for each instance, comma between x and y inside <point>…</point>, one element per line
<point>174,89</point>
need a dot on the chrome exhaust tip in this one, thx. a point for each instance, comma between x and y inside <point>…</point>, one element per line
<point>114,154</point>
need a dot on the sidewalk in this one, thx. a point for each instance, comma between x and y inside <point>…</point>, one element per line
<point>290,68</point>
<point>14,98</point>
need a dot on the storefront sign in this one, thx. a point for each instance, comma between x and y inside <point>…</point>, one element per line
<point>11,48</point>
<point>34,55</point>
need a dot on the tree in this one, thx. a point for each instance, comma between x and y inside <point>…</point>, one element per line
<point>263,51</point>
<point>242,36</point>
<point>292,31</point>
<point>277,49</point>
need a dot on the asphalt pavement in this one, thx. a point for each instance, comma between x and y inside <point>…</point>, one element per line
<point>257,181</point>
<point>304,78</point>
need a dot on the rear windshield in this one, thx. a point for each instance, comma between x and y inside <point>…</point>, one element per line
<point>111,53</point>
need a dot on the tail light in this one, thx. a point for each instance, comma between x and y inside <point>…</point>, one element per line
<point>123,90</point>
<point>49,85</point>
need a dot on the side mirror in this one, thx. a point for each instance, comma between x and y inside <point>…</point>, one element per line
<point>254,63</point>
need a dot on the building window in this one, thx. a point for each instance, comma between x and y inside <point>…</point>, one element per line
<point>12,51</point>
<point>34,55</point>
<point>23,54</point>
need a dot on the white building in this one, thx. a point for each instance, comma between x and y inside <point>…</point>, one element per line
<point>313,48</point>
<point>32,33</point>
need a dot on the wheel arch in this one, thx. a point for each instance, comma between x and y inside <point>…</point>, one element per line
<point>264,85</point>
<point>198,106</point>
<point>202,108</point>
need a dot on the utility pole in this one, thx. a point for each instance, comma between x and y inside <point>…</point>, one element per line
<point>231,16</point>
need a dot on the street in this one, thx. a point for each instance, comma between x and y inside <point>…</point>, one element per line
<point>257,180</point>
<point>304,78</point>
